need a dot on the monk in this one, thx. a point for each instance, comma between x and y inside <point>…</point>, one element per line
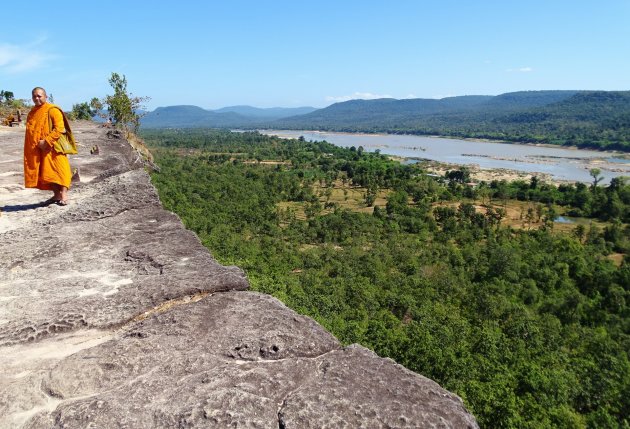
<point>44,168</point>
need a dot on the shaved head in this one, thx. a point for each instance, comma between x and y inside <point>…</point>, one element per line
<point>38,88</point>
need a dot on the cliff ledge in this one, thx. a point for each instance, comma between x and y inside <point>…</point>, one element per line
<point>112,314</point>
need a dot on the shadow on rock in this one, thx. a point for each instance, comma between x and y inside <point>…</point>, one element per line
<point>22,207</point>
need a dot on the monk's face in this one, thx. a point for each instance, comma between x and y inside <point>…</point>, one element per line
<point>39,97</point>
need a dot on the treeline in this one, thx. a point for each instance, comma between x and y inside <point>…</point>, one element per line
<point>528,325</point>
<point>9,106</point>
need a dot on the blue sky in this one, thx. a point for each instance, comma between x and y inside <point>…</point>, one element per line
<point>311,53</point>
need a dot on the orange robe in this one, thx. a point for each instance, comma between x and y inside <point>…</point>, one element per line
<point>42,170</point>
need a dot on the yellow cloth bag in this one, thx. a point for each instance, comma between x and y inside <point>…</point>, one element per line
<point>66,144</point>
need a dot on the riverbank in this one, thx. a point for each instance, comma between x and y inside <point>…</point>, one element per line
<point>509,161</point>
<point>479,174</point>
<point>616,153</point>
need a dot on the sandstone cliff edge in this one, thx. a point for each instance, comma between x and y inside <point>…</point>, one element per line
<point>112,314</point>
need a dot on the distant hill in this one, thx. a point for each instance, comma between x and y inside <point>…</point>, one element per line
<point>227,117</point>
<point>267,113</point>
<point>383,110</point>
<point>191,117</point>
<point>391,106</point>
<point>527,99</point>
<point>389,112</point>
<point>593,119</point>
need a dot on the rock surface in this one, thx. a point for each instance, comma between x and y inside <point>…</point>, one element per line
<point>112,314</point>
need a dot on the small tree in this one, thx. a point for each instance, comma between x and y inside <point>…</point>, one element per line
<point>370,195</point>
<point>82,111</point>
<point>579,232</point>
<point>6,97</point>
<point>123,107</point>
<point>594,172</point>
<point>96,105</point>
<point>460,176</point>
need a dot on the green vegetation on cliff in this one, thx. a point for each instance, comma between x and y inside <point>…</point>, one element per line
<point>527,322</point>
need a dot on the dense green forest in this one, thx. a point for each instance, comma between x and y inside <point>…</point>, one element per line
<point>527,321</point>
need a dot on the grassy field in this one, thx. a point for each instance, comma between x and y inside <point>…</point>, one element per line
<point>353,198</point>
<point>343,196</point>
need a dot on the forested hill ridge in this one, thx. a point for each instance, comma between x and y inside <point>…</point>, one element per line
<point>587,119</point>
<point>269,113</point>
<point>186,116</point>
<point>593,119</point>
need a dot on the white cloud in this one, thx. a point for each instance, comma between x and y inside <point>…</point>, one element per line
<point>18,59</point>
<point>521,70</point>
<point>356,96</point>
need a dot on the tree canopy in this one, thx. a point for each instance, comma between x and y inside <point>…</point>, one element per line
<point>528,323</point>
<point>123,107</point>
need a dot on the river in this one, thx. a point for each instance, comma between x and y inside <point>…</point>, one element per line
<point>560,164</point>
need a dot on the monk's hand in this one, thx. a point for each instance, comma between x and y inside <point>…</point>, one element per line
<point>43,145</point>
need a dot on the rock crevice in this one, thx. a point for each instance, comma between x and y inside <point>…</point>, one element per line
<point>112,314</point>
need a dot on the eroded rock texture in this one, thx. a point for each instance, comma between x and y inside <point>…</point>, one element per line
<point>113,315</point>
